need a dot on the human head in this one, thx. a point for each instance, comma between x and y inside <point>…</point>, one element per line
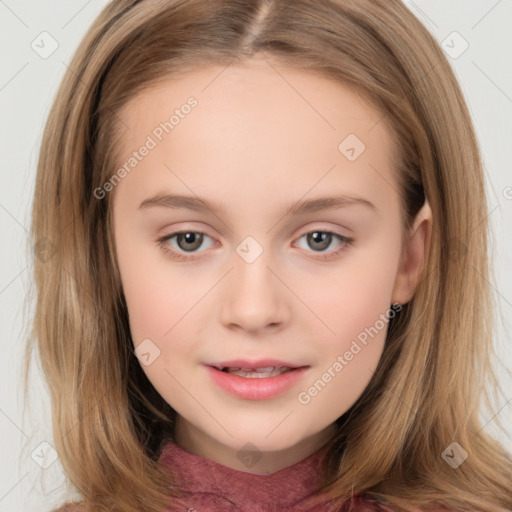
<point>366,46</point>
<point>252,144</point>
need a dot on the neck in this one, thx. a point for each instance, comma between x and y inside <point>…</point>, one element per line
<point>248,458</point>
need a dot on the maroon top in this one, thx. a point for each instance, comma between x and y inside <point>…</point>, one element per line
<point>210,486</point>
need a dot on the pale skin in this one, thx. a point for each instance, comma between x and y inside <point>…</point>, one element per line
<point>254,145</point>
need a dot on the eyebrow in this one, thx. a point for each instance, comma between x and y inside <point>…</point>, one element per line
<point>295,208</point>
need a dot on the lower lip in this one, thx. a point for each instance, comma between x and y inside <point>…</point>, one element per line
<point>256,388</point>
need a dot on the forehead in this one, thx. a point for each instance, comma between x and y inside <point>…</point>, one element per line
<point>259,125</point>
<point>238,90</point>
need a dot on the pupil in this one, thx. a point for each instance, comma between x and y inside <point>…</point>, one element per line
<point>195,239</point>
<point>319,237</point>
<point>189,239</point>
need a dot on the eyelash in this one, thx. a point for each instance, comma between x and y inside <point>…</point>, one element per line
<point>162,243</point>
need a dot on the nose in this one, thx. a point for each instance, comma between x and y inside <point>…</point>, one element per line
<point>255,299</point>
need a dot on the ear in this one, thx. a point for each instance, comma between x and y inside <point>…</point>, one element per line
<point>414,256</point>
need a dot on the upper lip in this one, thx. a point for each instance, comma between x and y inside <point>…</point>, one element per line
<point>260,363</point>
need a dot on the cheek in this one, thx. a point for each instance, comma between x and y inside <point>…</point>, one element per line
<point>171,304</point>
<point>356,309</point>
<point>353,297</point>
<point>157,294</point>
<point>161,303</point>
<point>159,300</point>
<point>345,298</point>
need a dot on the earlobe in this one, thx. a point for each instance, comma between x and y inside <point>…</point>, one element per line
<point>414,256</point>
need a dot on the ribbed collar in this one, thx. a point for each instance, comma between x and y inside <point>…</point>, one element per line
<point>212,486</point>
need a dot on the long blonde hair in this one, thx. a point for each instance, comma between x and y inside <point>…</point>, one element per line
<point>109,423</point>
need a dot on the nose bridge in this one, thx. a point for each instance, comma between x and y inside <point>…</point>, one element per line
<point>252,275</point>
<point>253,300</point>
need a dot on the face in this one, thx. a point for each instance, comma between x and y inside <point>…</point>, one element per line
<point>252,266</point>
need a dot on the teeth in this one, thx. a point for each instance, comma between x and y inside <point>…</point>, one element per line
<point>267,369</point>
<point>270,371</point>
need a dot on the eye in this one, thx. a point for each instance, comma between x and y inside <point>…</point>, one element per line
<point>319,240</point>
<point>189,241</point>
<point>186,242</point>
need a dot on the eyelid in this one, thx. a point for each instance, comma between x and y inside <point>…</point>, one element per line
<point>162,241</point>
<point>333,254</point>
<point>182,255</point>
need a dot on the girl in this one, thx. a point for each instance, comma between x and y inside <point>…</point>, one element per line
<point>202,351</point>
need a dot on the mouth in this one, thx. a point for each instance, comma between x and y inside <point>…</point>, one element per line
<point>256,369</point>
<point>255,373</point>
<point>256,381</point>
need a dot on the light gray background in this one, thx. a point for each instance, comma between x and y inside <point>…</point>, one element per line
<point>28,84</point>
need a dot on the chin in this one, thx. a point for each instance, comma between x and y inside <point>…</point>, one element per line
<point>265,440</point>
